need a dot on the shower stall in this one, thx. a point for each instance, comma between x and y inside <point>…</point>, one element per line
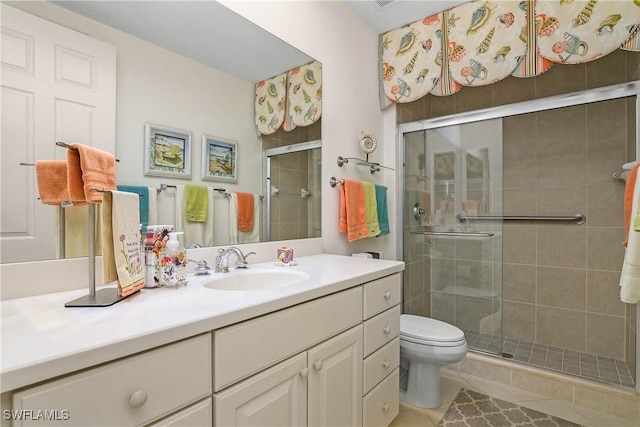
<point>513,226</point>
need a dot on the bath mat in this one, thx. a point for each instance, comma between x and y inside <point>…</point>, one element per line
<point>472,409</point>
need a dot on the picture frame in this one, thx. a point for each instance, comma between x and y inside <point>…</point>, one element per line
<point>167,151</point>
<point>219,159</point>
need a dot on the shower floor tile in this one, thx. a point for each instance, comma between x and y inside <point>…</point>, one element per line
<point>585,365</point>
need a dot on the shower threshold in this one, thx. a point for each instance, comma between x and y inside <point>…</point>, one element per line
<point>585,365</point>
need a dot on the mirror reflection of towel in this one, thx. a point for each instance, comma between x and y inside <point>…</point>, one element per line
<point>245,212</point>
<point>196,203</point>
<point>237,236</point>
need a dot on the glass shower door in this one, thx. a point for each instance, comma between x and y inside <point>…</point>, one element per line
<point>453,174</point>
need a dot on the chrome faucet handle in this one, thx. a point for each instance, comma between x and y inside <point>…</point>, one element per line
<point>202,268</point>
<point>242,261</point>
<point>218,267</point>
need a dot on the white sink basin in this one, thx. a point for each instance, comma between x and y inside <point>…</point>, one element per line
<point>255,280</point>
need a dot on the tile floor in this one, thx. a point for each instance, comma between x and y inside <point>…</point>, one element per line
<point>453,381</point>
<point>585,365</point>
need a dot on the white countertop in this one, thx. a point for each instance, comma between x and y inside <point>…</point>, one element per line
<point>42,339</point>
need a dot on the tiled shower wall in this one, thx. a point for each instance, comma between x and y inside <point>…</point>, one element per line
<point>290,213</point>
<point>588,274</point>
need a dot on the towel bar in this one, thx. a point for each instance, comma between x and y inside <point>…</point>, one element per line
<point>577,218</point>
<point>453,233</point>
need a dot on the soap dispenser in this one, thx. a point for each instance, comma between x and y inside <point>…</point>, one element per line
<point>174,263</point>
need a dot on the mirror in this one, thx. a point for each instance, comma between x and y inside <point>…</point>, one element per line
<point>189,65</point>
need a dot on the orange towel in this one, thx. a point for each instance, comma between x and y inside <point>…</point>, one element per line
<point>89,168</point>
<point>245,211</point>
<point>628,201</point>
<point>352,197</point>
<point>52,181</point>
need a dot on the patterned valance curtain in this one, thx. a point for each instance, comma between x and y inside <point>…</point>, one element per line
<point>289,100</point>
<point>486,41</point>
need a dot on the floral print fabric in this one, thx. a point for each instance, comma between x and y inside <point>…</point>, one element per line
<point>270,99</point>
<point>304,95</point>
<point>485,41</point>
<point>572,32</point>
<point>411,59</point>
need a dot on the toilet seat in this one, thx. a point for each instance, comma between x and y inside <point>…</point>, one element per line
<point>427,331</point>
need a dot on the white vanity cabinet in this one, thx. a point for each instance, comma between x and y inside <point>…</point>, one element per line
<point>381,316</point>
<point>328,359</point>
<point>319,387</point>
<point>319,383</point>
<point>349,379</point>
<point>132,391</point>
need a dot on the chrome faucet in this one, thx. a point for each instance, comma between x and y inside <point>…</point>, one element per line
<point>222,259</point>
<point>202,268</point>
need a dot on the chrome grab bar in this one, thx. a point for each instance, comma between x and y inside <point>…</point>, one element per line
<point>453,233</point>
<point>577,218</point>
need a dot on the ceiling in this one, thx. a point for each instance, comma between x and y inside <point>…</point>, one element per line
<point>385,15</point>
<point>209,32</point>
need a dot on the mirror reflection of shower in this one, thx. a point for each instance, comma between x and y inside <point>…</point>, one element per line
<point>292,191</point>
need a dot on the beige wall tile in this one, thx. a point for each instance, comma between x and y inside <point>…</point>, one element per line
<point>520,201</point>
<point>561,246</point>
<point>561,328</point>
<point>613,114</point>
<point>519,321</point>
<point>554,81</point>
<point>542,385</point>
<point>561,200</point>
<point>562,287</point>
<point>605,157</point>
<point>604,249</point>
<point>606,335</point>
<point>607,70</point>
<point>609,402</point>
<point>486,370</point>
<point>519,283</point>
<point>603,293</point>
<point>604,207</point>
<point>519,244</point>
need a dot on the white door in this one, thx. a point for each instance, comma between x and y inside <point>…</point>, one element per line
<point>335,381</point>
<point>275,397</point>
<point>57,85</point>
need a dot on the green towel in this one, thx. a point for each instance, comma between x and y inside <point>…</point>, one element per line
<point>383,213</point>
<point>371,209</point>
<point>196,203</point>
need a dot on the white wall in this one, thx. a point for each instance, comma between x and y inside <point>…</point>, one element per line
<point>348,50</point>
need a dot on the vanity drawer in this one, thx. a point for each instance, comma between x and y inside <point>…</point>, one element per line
<point>381,295</point>
<point>198,415</point>
<point>381,329</point>
<point>380,364</point>
<point>131,391</point>
<point>248,347</point>
<point>381,405</point>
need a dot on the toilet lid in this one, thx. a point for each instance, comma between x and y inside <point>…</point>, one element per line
<point>421,329</point>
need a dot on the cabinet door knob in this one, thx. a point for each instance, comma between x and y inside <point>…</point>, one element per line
<point>386,330</point>
<point>385,407</point>
<point>387,295</point>
<point>386,364</point>
<point>317,364</point>
<point>304,372</point>
<point>138,398</point>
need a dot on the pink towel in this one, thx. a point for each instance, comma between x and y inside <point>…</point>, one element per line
<point>52,181</point>
<point>89,169</point>
<point>352,210</point>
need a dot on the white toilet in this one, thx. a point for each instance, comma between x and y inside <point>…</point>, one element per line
<point>426,345</point>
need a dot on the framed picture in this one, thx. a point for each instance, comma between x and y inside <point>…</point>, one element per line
<point>219,159</point>
<point>167,151</point>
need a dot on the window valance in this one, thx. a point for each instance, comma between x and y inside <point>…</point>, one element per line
<point>289,100</point>
<point>486,41</point>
